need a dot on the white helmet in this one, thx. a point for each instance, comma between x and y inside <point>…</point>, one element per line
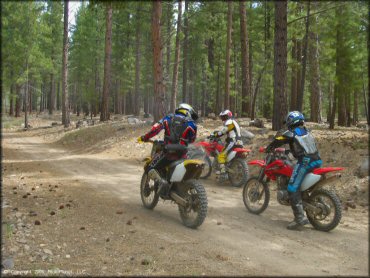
<point>225,115</point>
<point>186,107</point>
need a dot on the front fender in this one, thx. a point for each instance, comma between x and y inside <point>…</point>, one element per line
<point>257,162</point>
<point>147,161</point>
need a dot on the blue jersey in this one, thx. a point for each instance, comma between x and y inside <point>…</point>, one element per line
<point>188,129</point>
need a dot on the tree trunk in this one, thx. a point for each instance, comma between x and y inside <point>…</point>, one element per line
<point>245,60</point>
<point>293,90</point>
<point>365,100</point>
<point>256,89</point>
<point>176,63</point>
<point>52,94</point>
<point>218,93</point>
<point>65,105</point>
<point>228,49</point>
<point>280,65</point>
<point>159,109</point>
<point>137,61</point>
<point>185,54</point>
<point>330,102</point>
<point>355,108</point>
<point>18,101</point>
<point>58,96</point>
<point>341,65</point>
<point>104,115</point>
<point>168,46</point>
<point>204,91</point>
<point>11,100</point>
<point>304,62</point>
<point>315,88</point>
<point>348,108</point>
<point>334,107</point>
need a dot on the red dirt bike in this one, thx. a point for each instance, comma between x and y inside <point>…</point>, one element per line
<point>236,165</point>
<point>323,207</point>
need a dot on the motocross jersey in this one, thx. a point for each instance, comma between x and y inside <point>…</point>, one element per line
<point>232,130</point>
<point>301,142</point>
<point>178,129</point>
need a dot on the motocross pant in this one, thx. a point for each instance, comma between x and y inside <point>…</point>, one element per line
<point>302,168</point>
<point>222,156</point>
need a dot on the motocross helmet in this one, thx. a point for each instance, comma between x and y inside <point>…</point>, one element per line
<point>293,119</point>
<point>225,115</point>
<point>186,110</point>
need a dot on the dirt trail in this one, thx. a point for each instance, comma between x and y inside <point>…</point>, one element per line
<point>230,242</point>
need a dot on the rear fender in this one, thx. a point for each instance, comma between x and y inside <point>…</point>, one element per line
<point>187,169</point>
<point>325,180</point>
<point>260,163</point>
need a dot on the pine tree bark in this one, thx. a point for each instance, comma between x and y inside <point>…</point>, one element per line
<point>159,109</point>
<point>304,62</point>
<point>293,88</point>
<point>65,104</point>
<point>280,65</point>
<point>340,70</point>
<point>355,108</point>
<point>245,60</point>
<point>52,94</point>
<point>18,101</point>
<point>177,59</point>
<point>228,50</point>
<point>137,62</point>
<point>168,46</point>
<point>185,54</point>
<point>315,88</point>
<point>104,115</point>
<point>11,100</point>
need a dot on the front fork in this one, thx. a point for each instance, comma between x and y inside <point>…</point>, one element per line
<point>261,175</point>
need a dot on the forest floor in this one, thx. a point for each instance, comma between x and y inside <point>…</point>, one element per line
<point>71,206</point>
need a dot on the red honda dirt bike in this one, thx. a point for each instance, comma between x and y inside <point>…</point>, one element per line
<point>236,165</point>
<point>323,207</point>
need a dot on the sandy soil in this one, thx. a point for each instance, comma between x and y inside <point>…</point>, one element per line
<point>92,221</point>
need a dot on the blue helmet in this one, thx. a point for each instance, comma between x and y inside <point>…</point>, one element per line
<point>294,118</point>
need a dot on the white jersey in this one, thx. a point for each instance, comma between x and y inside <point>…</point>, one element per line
<point>231,129</point>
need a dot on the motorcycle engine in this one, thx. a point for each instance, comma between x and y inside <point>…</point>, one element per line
<point>282,193</point>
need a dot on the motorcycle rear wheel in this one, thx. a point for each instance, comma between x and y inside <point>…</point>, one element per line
<point>195,212</point>
<point>256,195</point>
<point>330,205</point>
<point>148,192</point>
<point>240,168</point>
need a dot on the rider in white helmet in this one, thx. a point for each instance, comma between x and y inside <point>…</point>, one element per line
<point>232,130</point>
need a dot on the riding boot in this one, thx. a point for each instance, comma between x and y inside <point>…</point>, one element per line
<point>164,186</point>
<point>222,173</point>
<point>299,217</point>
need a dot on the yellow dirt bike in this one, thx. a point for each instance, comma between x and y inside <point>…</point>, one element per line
<point>185,189</point>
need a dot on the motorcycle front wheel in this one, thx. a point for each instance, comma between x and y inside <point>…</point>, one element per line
<point>238,172</point>
<point>149,196</point>
<point>329,210</point>
<point>256,195</point>
<point>194,213</point>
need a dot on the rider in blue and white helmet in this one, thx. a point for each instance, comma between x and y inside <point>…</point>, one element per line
<point>303,147</point>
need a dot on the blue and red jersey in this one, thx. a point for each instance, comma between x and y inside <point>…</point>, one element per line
<point>189,134</point>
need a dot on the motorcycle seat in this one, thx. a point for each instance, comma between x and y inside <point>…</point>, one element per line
<point>175,148</point>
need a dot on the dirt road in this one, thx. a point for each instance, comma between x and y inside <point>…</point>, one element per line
<point>108,231</point>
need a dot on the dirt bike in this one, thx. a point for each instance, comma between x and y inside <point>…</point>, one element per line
<point>323,207</point>
<point>236,165</point>
<point>185,190</point>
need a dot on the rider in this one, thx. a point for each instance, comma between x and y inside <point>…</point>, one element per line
<point>180,128</point>
<point>232,130</point>
<point>303,147</point>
